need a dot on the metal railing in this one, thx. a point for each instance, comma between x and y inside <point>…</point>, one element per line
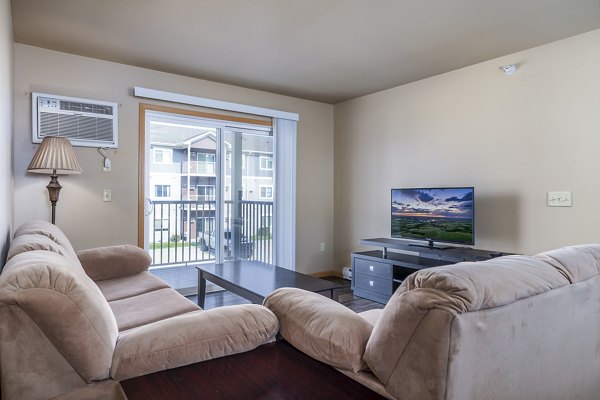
<point>199,167</point>
<point>183,231</point>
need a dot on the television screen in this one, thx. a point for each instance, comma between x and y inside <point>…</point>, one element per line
<point>434,214</point>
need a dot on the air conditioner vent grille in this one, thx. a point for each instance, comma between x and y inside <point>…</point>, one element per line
<point>75,127</point>
<point>86,107</point>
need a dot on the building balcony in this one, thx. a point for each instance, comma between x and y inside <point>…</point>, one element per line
<point>198,168</point>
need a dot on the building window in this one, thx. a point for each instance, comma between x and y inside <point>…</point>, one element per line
<point>163,156</point>
<point>205,163</point>
<point>266,192</point>
<point>161,224</point>
<point>206,193</point>
<point>266,163</point>
<point>162,190</point>
<point>205,157</point>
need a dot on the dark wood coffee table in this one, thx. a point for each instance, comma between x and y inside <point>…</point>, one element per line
<point>254,280</point>
<point>274,371</point>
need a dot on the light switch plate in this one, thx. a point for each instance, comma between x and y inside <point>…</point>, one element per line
<point>107,195</point>
<point>560,199</point>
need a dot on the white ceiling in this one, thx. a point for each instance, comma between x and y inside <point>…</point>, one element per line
<point>324,50</point>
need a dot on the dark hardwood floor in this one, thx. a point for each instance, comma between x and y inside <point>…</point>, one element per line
<point>345,297</point>
<point>273,371</point>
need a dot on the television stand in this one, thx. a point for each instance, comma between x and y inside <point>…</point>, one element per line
<point>376,274</point>
<point>431,245</point>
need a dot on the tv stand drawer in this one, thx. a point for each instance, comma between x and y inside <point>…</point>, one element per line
<point>373,268</point>
<point>374,283</point>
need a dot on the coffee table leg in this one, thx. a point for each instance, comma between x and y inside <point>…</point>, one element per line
<point>201,289</point>
<point>335,295</point>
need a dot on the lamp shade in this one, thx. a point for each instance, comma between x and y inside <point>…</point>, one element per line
<point>55,156</point>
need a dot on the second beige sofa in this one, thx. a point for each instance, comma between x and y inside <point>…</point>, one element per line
<point>73,324</point>
<point>511,328</point>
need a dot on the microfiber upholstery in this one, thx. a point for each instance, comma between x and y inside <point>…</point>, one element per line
<point>47,229</point>
<point>193,337</point>
<point>414,354</point>
<point>112,262</point>
<point>130,286</point>
<point>510,328</point>
<point>57,298</point>
<point>150,307</point>
<point>577,263</point>
<point>321,327</point>
<point>73,324</point>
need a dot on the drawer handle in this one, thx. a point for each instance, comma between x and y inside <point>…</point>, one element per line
<point>371,283</point>
<point>371,268</point>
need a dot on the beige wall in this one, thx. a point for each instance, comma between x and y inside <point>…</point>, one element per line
<point>511,137</point>
<point>6,127</point>
<point>90,222</point>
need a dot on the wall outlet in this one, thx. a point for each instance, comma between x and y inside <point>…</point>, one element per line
<point>107,165</point>
<point>107,195</point>
<point>323,247</point>
<point>560,199</point>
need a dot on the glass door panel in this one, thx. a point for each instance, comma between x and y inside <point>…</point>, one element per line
<point>209,191</point>
<point>180,188</point>
<point>249,192</point>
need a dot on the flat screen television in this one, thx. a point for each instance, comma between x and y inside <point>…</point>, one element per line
<point>443,215</point>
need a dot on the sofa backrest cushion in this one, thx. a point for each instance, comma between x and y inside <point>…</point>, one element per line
<point>34,234</point>
<point>47,229</point>
<point>30,241</point>
<point>577,263</point>
<point>412,337</point>
<point>65,305</point>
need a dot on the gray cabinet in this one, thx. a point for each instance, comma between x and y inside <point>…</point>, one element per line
<point>376,278</point>
<point>377,274</point>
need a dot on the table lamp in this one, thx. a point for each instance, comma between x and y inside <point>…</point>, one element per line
<point>54,157</point>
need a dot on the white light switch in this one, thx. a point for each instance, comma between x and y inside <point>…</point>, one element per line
<point>560,199</point>
<point>107,195</point>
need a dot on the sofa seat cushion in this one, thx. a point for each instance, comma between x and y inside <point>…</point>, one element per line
<point>150,307</point>
<point>320,327</point>
<point>191,338</point>
<point>130,286</point>
<point>371,316</point>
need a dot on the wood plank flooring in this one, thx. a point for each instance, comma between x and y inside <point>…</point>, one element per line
<point>274,371</point>
<point>345,297</point>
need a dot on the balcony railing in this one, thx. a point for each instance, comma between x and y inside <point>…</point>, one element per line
<point>198,167</point>
<point>183,231</point>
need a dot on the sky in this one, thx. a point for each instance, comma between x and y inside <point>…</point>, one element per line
<point>440,203</point>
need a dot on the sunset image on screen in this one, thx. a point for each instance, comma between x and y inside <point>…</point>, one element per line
<point>444,214</point>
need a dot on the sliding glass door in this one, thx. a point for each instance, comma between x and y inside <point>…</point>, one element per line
<point>208,193</point>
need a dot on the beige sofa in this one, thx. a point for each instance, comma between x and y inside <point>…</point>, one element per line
<point>512,328</point>
<point>72,324</point>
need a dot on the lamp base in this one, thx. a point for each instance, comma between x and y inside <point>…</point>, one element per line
<point>53,192</point>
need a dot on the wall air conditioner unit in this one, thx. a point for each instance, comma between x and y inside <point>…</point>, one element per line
<point>88,123</point>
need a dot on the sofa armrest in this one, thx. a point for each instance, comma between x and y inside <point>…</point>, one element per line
<point>320,327</point>
<point>111,262</point>
<point>191,338</point>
